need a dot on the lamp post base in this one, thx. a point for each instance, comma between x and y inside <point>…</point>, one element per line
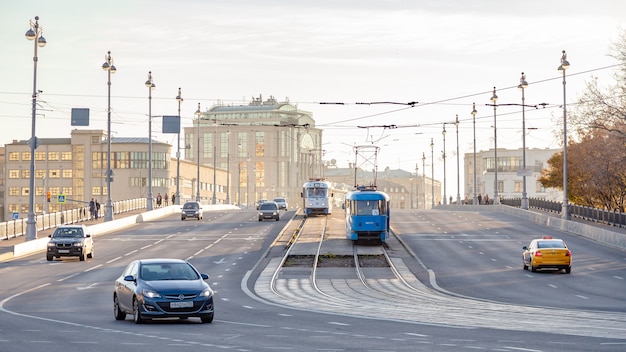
<point>31,228</point>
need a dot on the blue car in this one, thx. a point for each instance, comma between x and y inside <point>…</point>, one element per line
<point>162,288</point>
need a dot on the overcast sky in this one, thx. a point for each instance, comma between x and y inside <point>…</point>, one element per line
<point>444,54</point>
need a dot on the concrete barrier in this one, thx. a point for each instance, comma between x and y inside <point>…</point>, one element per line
<point>603,235</point>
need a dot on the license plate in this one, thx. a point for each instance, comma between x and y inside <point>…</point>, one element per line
<point>181,304</point>
<point>64,250</point>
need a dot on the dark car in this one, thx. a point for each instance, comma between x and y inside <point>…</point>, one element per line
<point>162,288</point>
<point>191,210</point>
<point>268,210</point>
<point>70,241</point>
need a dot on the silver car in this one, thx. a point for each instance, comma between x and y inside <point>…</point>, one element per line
<point>191,210</point>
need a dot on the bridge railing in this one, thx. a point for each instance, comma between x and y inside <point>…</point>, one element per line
<point>15,228</point>
<point>604,216</point>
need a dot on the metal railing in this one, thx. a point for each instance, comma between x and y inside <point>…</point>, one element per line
<point>603,216</point>
<point>15,228</point>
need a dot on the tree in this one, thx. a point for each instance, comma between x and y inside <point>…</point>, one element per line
<point>596,163</point>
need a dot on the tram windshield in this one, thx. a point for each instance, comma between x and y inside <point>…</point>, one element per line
<point>317,192</point>
<point>368,207</point>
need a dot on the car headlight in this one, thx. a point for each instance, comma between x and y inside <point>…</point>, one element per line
<point>51,244</point>
<point>150,294</point>
<point>207,293</point>
<point>77,244</point>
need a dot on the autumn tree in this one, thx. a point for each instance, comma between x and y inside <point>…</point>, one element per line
<point>596,163</point>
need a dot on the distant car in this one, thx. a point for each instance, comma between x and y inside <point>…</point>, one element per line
<point>269,210</point>
<point>282,203</point>
<point>547,253</point>
<point>191,210</point>
<point>162,288</point>
<point>261,201</point>
<point>70,241</point>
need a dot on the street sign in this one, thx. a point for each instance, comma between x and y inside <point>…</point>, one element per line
<point>61,198</point>
<point>15,215</point>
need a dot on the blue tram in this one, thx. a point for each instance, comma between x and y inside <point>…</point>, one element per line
<point>367,215</point>
<point>317,197</point>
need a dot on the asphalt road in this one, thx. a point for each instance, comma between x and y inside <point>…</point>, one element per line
<point>66,305</point>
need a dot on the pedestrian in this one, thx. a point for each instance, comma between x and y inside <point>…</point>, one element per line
<point>97,209</point>
<point>173,199</point>
<point>159,200</point>
<point>92,209</point>
<point>166,199</point>
<point>480,199</point>
<point>487,199</point>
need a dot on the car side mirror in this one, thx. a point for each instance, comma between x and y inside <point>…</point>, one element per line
<point>129,278</point>
<point>204,276</point>
<point>50,235</point>
<point>87,235</point>
<point>525,248</point>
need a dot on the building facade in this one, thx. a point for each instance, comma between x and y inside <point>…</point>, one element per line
<point>76,167</point>
<point>270,148</point>
<point>510,174</point>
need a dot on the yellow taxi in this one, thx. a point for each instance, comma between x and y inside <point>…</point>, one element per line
<point>547,253</point>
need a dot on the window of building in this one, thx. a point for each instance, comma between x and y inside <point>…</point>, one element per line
<point>259,143</point>
<point>40,156</point>
<point>66,173</point>
<point>96,139</point>
<point>39,191</point>
<point>14,156</point>
<point>207,145</point>
<point>26,173</point>
<point>25,191</point>
<point>40,173</point>
<point>96,191</point>
<point>66,156</point>
<point>54,191</point>
<point>67,191</point>
<point>25,156</point>
<point>224,139</point>
<point>122,160</point>
<point>96,160</point>
<point>13,208</point>
<point>53,155</point>
<point>24,208</point>
<point>138,160</point>
<point>14,191</point>
<point>14,173</point>
<point>242,144</point>
<point>54,173</point>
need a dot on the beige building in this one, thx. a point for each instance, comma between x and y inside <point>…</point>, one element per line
<point>510,174</point>
<point>269,148</point>
<point>76,167</point>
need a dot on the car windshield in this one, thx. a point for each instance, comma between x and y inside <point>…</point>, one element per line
<point>168,271</point>
<point>68,233</point>
<point>190,206</point>
<point>279,200</point>
<point>268,206</point>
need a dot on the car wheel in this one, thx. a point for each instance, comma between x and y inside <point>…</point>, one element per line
<point>568,270</point>
<point>117,312</point>
<point>90,255</point>
<point>260,219</point>
<point>532,267</point>
<point>277,218</point>
<point>136,314</point>
<point>49,257</point>
<point>207,319</point>
<point>525,266</point>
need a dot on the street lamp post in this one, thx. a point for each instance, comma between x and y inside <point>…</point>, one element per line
<point>432,172</point>
<point>150,86</point>
<point>474,112</point>
<point>33,33</point>
<point>494,99</point>
<point>424,177</point>
<point>179,99</point>
<point>458,170</point>
<point>444,163</point>
<point>110,68</point>
<point>522,85</point>
<point>228,167</point>
<point>564,66</point>
<point>214,161</point>
<point>198,115</point>
<point>417,193</point>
